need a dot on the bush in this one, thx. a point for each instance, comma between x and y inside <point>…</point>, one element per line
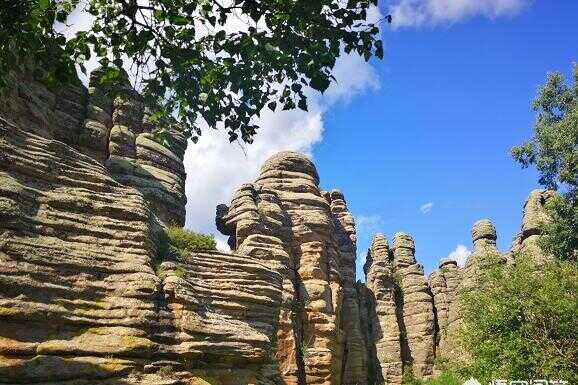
<point>521,323</point>
<point>445,378</point>
<point>181,242</point>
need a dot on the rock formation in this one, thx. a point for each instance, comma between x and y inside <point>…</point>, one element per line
<point>534,216</point>
<point>355,349</point>
<point>309,238</point>
<point>444,284</point>
<point>416,310</point>
<point>86,297</point>
<point>382,314</point>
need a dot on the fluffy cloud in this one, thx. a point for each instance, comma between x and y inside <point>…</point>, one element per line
<point>367,224</point>
<point>411,13</point>
<point>460,255</point>
<point>215,168</point>
<point>426,207</point>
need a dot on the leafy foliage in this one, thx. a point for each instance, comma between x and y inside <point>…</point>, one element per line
<point>520,322</point>
<point>181,242</point>
<point>445,378</point>
<point>560,235</point>
<point>554,152</point>
<point>28,40</point>
<point>221,60</point>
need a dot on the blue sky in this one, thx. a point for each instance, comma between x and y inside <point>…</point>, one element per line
<point>431,125</point>
<point>453,99</point>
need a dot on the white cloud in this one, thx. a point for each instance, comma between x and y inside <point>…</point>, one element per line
<point>412,13</point>
<point>215,168</point>
<point>460,255</point>
<point>222,244</point>
<point>426,207</point>
<point>367,224</point>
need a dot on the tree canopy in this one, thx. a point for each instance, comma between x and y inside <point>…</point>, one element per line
<point>554,152</point>
<point>220,60</point>
<point>520,322</point>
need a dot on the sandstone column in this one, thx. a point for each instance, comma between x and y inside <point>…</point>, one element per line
<point>383,323</point>
<point>417,311</point>
<point>355,350</point>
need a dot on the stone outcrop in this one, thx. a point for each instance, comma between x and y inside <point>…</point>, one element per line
<point>84,295</point>
<point>534,216</point>
<point>308,236</point>
<point>416,311</point>
<point>87,298</point>
<point>355,349</point>
<point>382,296</point>
<point>444,283</point>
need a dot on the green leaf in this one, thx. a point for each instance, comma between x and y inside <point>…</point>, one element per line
<point>319,83</point>
<point>43,4</point>
<point>303,104</point>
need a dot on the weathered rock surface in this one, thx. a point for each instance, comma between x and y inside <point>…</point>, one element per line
<point>384,335</point>
<point>355,349</point>
<point>309,238</point>
<point>444,284</point>
<point>417,313</point>
<point>534,216</point>
<point>84,298</point>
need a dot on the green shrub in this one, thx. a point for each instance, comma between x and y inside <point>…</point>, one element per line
<point>181,242</point>
<point>445,378</point>
<point>521,322</point>
<point>165,371</point>
<point>408,378</point>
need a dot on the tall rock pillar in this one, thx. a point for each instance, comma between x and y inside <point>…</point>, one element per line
<point>417,320</point>
<point>383,328</point>
<point>284,220</point>
<point>355,351</point>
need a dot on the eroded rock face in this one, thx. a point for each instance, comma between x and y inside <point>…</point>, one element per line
<point>444,284</point>
<point>355,349</point>
<point>383,329</point>
<point>417,313</point>
<point>308,237</point>
<point>534,216</point>
<point>84,297</point>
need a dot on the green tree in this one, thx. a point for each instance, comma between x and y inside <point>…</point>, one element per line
<point>554,152</point>
<point>190,59</point>
<point>520,322</point>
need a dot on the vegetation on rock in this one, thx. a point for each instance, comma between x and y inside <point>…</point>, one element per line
<point>181,242</point>
<point>554,152</point>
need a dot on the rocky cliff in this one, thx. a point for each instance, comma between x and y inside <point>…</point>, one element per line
<point>86,298</point>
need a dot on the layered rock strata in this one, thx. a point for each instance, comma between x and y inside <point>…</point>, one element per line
<point>84,295</point>
<point>86,298</point>
<point>382,297</point>
<point>355,349</point>
<point>534,216</point>
<point>444,283</point>
<point>309,238</point>
<point>416,316</point>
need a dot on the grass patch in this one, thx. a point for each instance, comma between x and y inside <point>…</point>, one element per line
<point>181,242</point>
<point>446,378</point>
